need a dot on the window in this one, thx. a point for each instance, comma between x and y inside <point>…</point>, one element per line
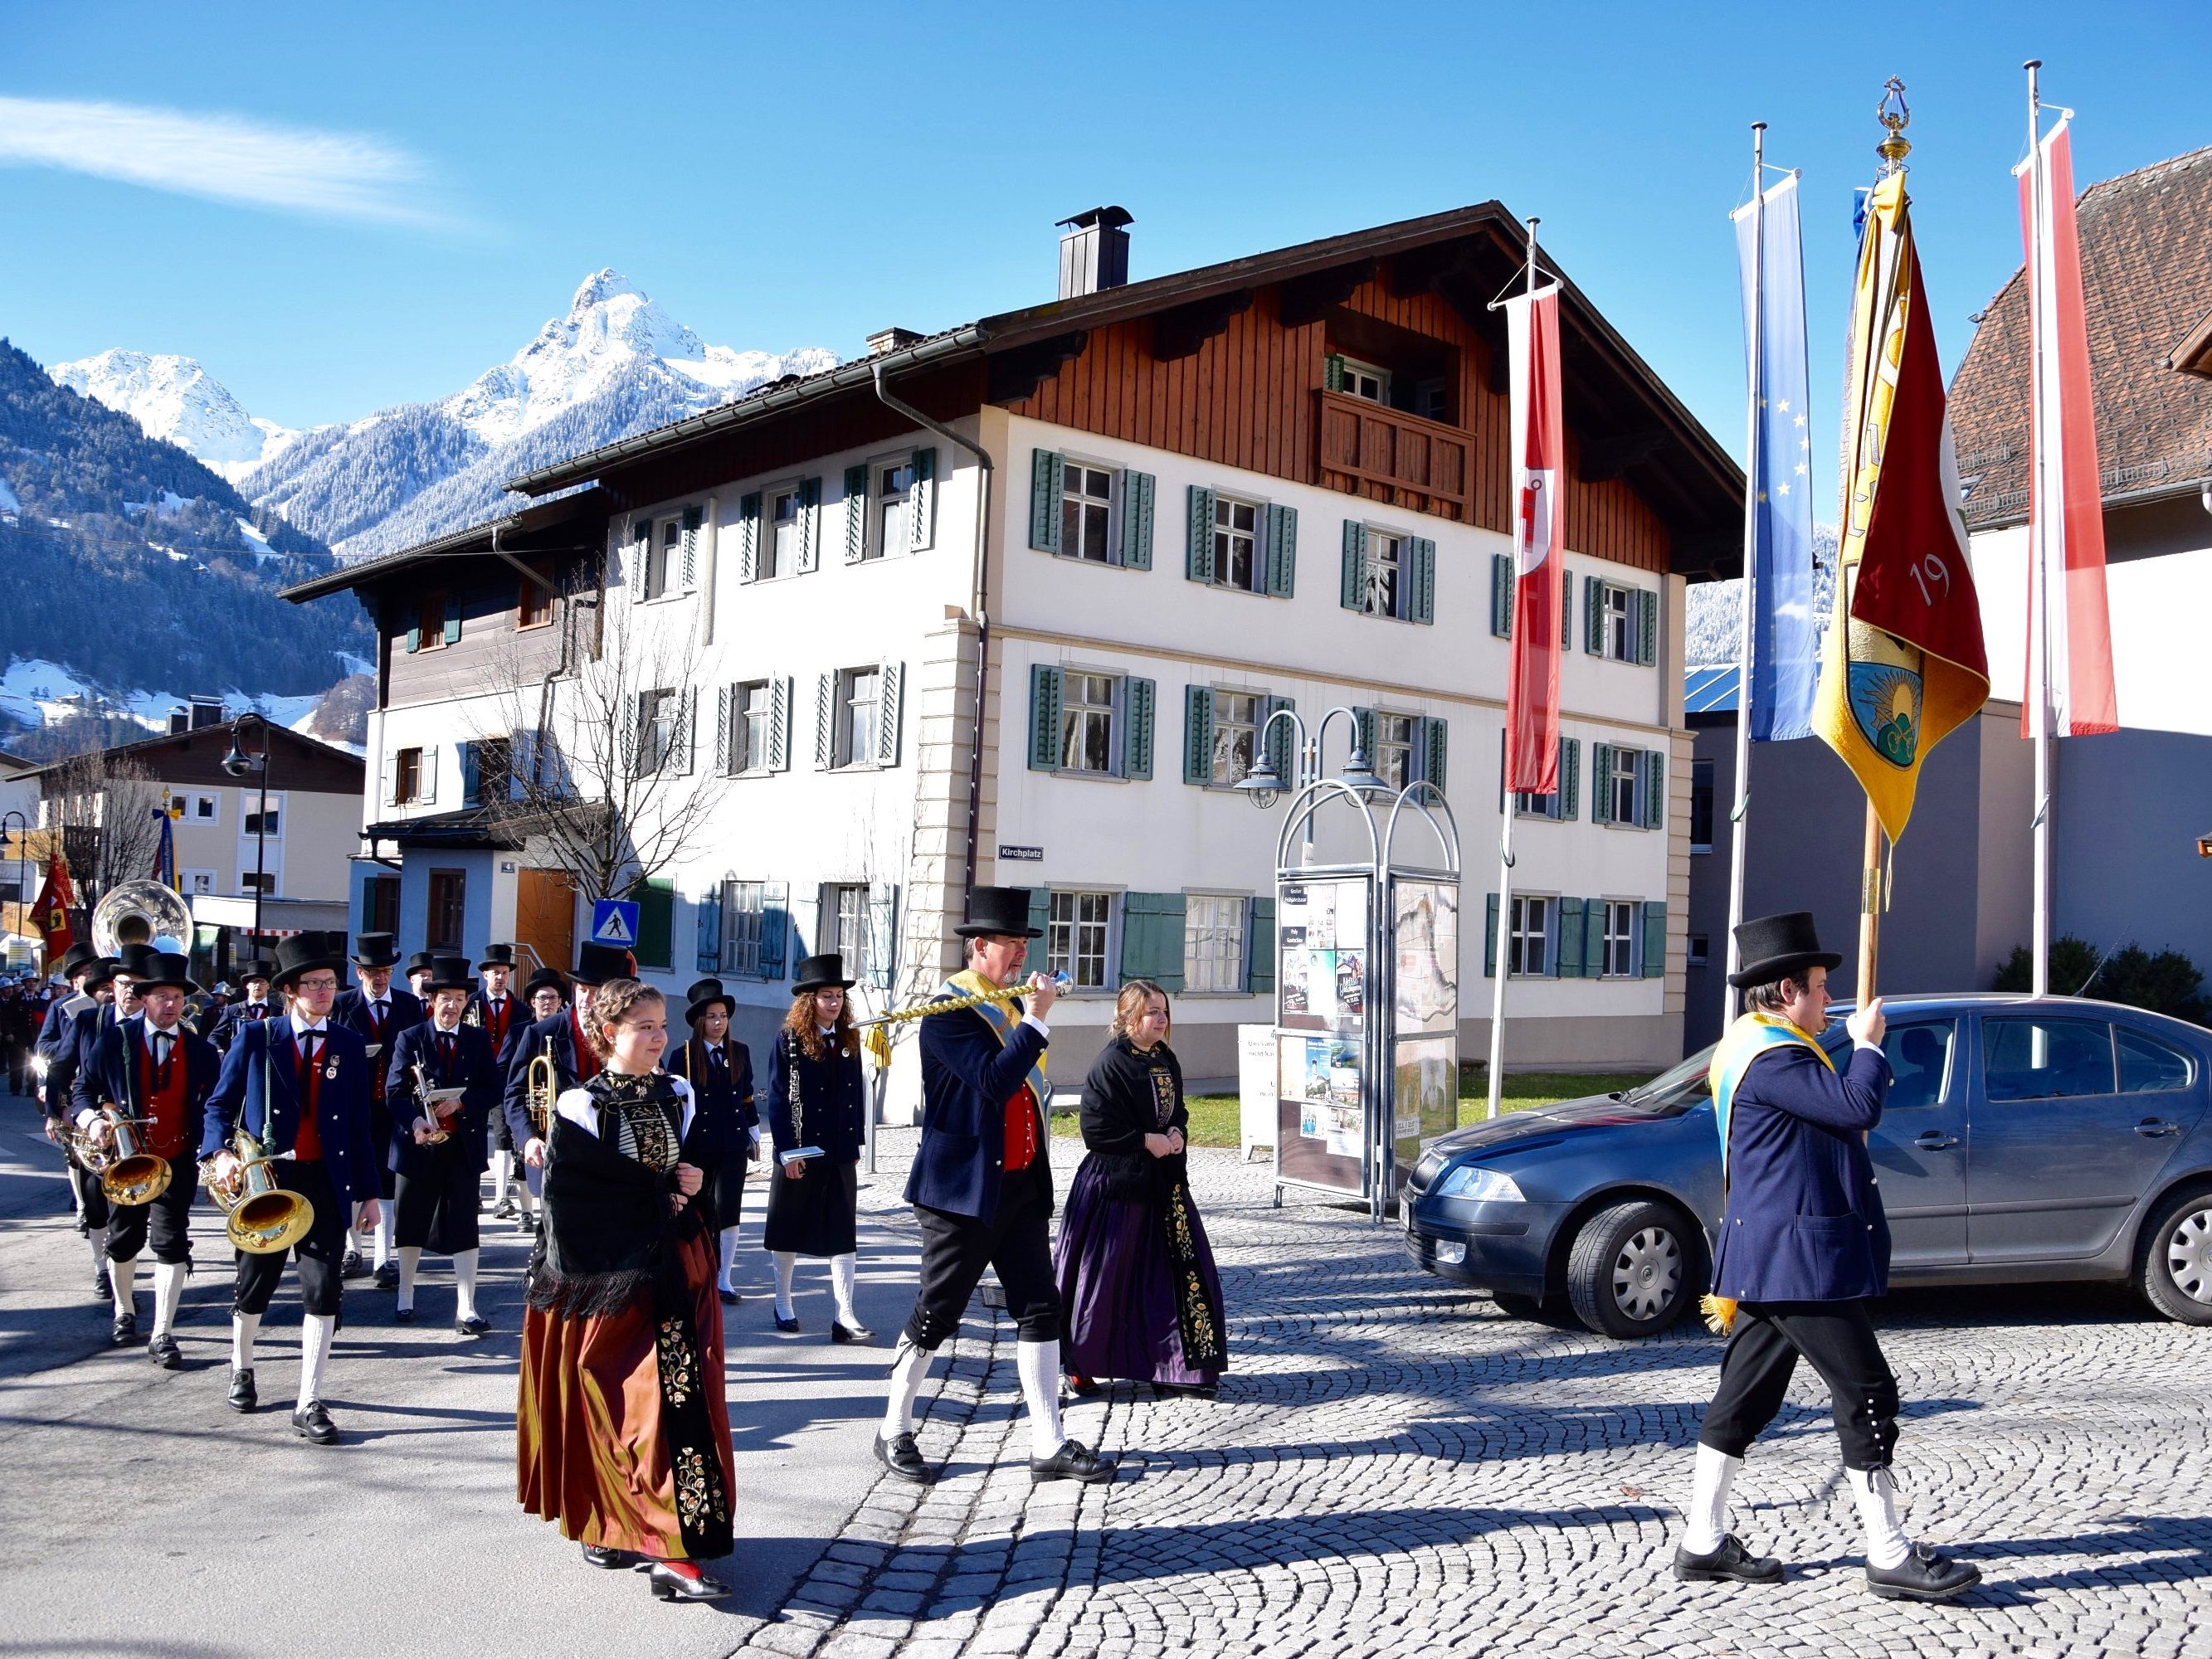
<point>1384,554</point>
<point>1086,514</point>
<point>658,715</point>
<point>1393,759</point>
<point>779,557</point>
<point>894,506</point>
<point>1620,623</point>
<point>1528,945</point>
<point>1086,722</point>
<point>407,777</point>
<point>859,696</point>
<point>252,822</point>
<point>203,808</point>
<point>380,905</point>
<point>1075,938</point>
<point>449,907</point>
<point>2149,1066</point>
<point>533,600</point>
<point>1701,807</point>
<point>1620,784</point>
<point>1365,381</point>
<point>751,714</point>
<point>262,882</point>
<point>1700,950</point>
<point>2046,1059</point>
<point>1236,560</point>
<point>1213,943</point>
<point>1621,940</point>
<point>742,905</point>
<point>197,881</point>
<point>1919,1058</point>
<point>491,775</point>
<point>1236,717</point>
<point>430,621</point>
<point>845,925</point>
<point>664,558</point>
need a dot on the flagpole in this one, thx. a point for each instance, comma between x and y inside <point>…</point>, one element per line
<point>1739,820</point>
<point>1499,957</point>
<point>2038,586</point>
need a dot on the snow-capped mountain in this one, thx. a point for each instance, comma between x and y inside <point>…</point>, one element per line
<point>176,398</point>
<point>1715,609</point>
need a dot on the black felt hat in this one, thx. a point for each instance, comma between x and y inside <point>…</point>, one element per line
<point>376,951</point>
<point>259,968</point>
<point>421,963</point>
<point>705,994</point>
<point>999,910</point>
<point>165,968</point>
<point>137,959</point>
<point>820,973</point>
<point>79,956</point>
<point>496,955</point>
<point>100,970</point>
<point>304,953</point>
<point>546,978</point>
<point>1775,947</point>
<point>451,973</point>
<point>598,964</point>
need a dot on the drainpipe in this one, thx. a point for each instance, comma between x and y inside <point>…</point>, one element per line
<point>981,593</point>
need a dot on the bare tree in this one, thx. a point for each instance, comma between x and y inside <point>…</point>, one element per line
<point>108,810</point>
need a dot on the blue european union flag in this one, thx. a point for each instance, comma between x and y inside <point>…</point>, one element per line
<point>1784,670</point>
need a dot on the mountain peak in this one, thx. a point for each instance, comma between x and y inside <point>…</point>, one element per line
<point>602,285</point>
<point>175,399</point>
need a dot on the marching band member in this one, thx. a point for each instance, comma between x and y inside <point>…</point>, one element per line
<point>380,1014</point>
<point>982,1189</point>
<point>561,1035</point>
<point>91,982</point>
<point>622,1425</point>
<point>437,1157</point>
<point>493,1008</point>
<point>816,1103</point>
<point>253,1004</point>
<point>149,1066</point>
<point>719,1070</point>
<point>300,1084</point>
<point>116,978</point>
<point>418,972</point>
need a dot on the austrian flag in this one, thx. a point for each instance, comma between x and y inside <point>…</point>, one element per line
<point>1539,449</point>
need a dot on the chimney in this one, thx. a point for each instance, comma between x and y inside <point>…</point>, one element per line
<point>181,721</point>
<point>892,339</point>
<point>1094,252</point>
<point>206,712</point>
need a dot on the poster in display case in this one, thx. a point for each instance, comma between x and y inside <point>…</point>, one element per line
<point>1322,958</point>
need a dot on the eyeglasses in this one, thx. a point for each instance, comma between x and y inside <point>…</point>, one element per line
<point>326,983</point>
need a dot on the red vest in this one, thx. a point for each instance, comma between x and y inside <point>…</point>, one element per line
<point>163,1102</point>
<point>587,1058</point>
<point>1021,1129</point>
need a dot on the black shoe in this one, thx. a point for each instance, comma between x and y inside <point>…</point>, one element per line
<point>164,1352</point>
<point>1074,1462</point>
<point>730,1298</point>
<point>1731,1561</point>
<point>902,1457</point>
<point>670,1585</point>
<point>843,1332</point>
<point>243,1398</point>
<point>403,1315</point>
<point>614,1560</point>
<point>1923,1575</point>
<point>314,1423</point>
<point>791,1324</point>
<point>504,1211</point>
<point>103,1287</point>
<point>474,1325</point>
<point>124,1330</point>
<point>387,1277</point>
<point>353,1267</point>
<point>1085,1388</point>
<point>526,1223</point>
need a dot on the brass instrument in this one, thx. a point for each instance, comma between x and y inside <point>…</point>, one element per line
<point>540,1084</point>
<point>877,1042</point>
<point>128,1173</point>
<point>141,913</point>
<point>439,1134</point>
<point>264,1219</point>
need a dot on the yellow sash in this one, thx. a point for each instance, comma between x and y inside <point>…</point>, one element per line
<point>1001,1019</point>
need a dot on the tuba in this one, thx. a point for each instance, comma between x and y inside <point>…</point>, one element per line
<point>138,912</point>
<point>128,1173</point>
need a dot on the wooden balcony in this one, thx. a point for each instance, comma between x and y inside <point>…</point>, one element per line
<point>1388,455</point>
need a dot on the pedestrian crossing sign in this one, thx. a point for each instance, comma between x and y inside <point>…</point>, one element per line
<point>614,921</point>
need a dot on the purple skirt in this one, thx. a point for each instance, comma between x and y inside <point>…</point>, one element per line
<point>1118,1288</point>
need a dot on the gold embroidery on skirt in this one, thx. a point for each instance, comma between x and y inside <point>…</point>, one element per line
<point>679,1367</point>
<point>698,1493</point>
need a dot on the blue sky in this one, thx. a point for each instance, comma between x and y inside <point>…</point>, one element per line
<point>423,184</point>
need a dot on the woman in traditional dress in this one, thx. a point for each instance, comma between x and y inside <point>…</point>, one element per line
<point>622,1431</point>
<point>1140,1296</point>
<point>719,1070</point>
<point>815,1106</point>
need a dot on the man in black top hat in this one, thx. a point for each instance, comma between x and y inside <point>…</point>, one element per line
<point>496,1011</point>
<point>562,1036</point>
<point>982,1189</point>
<point>437,1151</point>
<point>380,1013</point>
<point>418,972</point>
<point>77,965</point>
<point>254,1003</point>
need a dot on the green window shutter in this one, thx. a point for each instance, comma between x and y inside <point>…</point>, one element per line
<point>1490,938</point>
<point>1432,750</point>
<point>825,722</point>
<point>1566,604</point>
<point>1152,937</point>
<point>656,922</point>
<point>1280,737</point>
<point>1282,551</point>
<point>1600,783</point>
<point>1574,922</point>
<point>1048,481</point>
<point>469,775</point>
<point>1424,594</point>
<point>1501,595</point>
<point>891,681</point>
<point>775,927</point>
<point>708,931</point>
<point>779,725</point>
<point>1504,750</point>
<point>452,619</point>
<point>1041,910</point>
<point>722,731</point>
<point>1332,372</point>
<point>1364,719</point>
<point>1044,717</point>
<point>415,634</point>
<point>1594,946</point>
<point>1260,948</point>
<point>1647,627</point>
<point>1138,698</point>
<point>809,524</point>
<point>922,503</point>
<point>1198,561</point>
<point>642,552</point>
<point>1654,939</point>
<point>749,520</point>
<point>1136,491</point>
<point>1353,596</point>
<point>694,519</point>
<point>1593,616</point>
<point>856,514</point>
<point>1197,734</point>
<point>1655,790</point>
<point>1571,777</point>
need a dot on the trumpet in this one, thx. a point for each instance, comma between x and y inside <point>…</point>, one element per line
<point>128,1173</point>
<point>877,1042</point>
<point>439,1134</point>
<point>264,1219</point>
<point>540,1084</point>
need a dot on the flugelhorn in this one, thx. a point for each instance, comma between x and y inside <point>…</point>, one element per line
<point>877,1042</point>
<point>540,1084</point>
<point>264,1219</point>
<point>128,1173</point>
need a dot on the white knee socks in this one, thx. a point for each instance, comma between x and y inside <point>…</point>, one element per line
<point>909,1367</point>
<point>410,1258</point>
<point>787,1262</point>
<point>1876,1495</point>
<point>316,1331</point>
<point>729,1258</point>
<point>169,1291</point>
<point>465,1284</point>
<point>1039,1365</point>
<point>244,1328</point>
<point>383,1233</point>
<point>843,1271</point>
<point>502,1168</point>
<point>1707,1517</point>
<point>119,1277</point>
<point>525,1199</point>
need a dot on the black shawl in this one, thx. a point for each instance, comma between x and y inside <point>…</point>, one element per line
<point>1126,1096</point>
<point>608,1234</point>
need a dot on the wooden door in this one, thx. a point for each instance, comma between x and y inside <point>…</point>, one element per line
<point>545,915</point>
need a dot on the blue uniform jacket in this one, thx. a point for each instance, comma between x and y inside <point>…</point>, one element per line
<point>112,1074</point>
<point>80,1042</point>
<point>967,1078</point>
<point>832,1094</point>
<point>1804,1220</point>
<point>473,1069</point>
<point>553,1035</point>
<point>227,1023</point>
<point>249,1077</point>
<point>351,1009</point>
<point>728,1106</point>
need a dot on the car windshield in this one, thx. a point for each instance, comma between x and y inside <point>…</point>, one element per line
<point>1686,1084</point>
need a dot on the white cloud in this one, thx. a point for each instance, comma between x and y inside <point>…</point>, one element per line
<point>223,157</point>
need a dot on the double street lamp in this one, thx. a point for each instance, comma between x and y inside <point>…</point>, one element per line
<point>1265,785</point>
<point>238,763</point>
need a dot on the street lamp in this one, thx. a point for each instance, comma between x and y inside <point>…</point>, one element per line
<point>1264,785</point>
<point>238,763</point>
<point>23,857</point>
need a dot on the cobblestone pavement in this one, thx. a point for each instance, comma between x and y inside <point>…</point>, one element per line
<point>1394,1467</point>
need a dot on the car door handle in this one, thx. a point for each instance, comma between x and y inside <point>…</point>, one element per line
<point>1935,1141</point>
<point>2151,1128</point>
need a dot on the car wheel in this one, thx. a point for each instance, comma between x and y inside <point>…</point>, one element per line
<point>1631,1271</point>
<point>2173,1263</point>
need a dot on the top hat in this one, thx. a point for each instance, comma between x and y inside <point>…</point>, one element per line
<point>304,953</point>
<point>1775,947</point>
<point>421,963</point>
<point>259,968</point>
<point>496,955</point>
<point>165,968</point>
<point>598,964</point>
<point>136,959</point>
<point>820,973</point>
<point>706,993</point>
<point>546,978</point>
<point>100,970</point>
<point>451,973</point>
<point>79,956</point>
<point>376,951</point>
<point>999,910</point>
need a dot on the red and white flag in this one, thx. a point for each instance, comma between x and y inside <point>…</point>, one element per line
<point>2070,638</point>
<point>1540,453</point>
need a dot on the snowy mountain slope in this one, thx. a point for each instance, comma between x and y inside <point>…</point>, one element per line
<point>341,482</point>
<point>1715,620</point>
<point>176,398</point>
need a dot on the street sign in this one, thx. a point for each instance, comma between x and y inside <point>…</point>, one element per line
<point>614,921</point>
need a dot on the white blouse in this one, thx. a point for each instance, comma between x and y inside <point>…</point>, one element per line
<point>576,1105</point>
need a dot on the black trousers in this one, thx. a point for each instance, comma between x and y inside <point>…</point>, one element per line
<point>1017,1243</point>
<point>318,1253</point>
<point>1838,1339</point>
<point>165,1224</point>
<point>437,1209</point>
<point>380,1137</point>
